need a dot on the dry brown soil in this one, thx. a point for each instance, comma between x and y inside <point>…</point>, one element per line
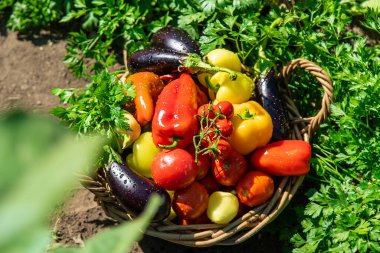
<point>29,67</point>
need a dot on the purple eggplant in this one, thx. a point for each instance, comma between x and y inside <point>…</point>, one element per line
<point>158,61</point>
<point>174,39</point>
<point>133,191</point>
<point>267,95</point>
<point>163,61</point>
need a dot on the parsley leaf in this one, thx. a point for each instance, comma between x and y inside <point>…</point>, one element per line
<point>351,226</point>
<point>98,108</point>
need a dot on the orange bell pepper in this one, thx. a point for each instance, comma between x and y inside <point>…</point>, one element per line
<point>148,86</point>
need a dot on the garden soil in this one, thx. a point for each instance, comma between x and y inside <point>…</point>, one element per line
<point>30,65</point>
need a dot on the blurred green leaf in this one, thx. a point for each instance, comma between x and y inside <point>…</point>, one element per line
<point>373,4</point>
<point>119,239</point>
<point>38,159</point>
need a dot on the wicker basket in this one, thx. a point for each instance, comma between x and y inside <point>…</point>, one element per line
<point>254,220</point>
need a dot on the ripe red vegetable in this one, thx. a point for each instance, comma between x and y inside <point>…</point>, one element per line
<point>283,158</point>
<point>255,188</point>
<point>229,169</point>
<point>225,127</point>
<point>224,148</point>
<point>190,202</point>
<point>204,110</point>
<point>225,108</point>
<point>174,122</point>
<point>203,164</point>
<point>174,169</point>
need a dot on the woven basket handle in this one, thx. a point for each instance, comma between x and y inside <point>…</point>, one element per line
<point>324,80</point>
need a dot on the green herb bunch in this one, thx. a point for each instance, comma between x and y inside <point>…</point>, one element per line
<point>342,217</point>
<point>98,108</point>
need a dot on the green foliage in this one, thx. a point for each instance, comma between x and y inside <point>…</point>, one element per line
<point>372,4</point>
<point>349,142</point>
<point>29,14</point>
<point>97,108</point>
<point>119,24</point>
<point>5,4</point>
<point>268,35</point>
<point>342,217</point>
<point>38,162</point>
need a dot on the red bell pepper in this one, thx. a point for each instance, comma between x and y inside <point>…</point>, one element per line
<point>283,158</point>
<point>174,123</point>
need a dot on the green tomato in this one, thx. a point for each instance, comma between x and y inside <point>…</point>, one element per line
<point>222,207</point>
<point>235,92</point>
<point>224,58</point>
<point>144,151</point>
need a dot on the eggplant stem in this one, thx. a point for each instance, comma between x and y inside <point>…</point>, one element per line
<point>194,62</point>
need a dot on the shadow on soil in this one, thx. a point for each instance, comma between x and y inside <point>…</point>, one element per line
<point>257,244</point>
<point>42,37</point>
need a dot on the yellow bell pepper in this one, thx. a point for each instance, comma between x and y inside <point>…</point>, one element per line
<point>252,125</point>
<point>143,153</point>
<point>234,91</point>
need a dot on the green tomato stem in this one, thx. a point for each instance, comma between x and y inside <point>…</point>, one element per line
<point>194,63</point>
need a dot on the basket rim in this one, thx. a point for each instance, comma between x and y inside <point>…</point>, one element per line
<point>253,221</point>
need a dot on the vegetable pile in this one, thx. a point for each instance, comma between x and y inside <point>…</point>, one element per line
<point>190,130</point>
<point>340,36</point>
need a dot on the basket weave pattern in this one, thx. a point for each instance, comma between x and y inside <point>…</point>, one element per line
<point>254,220</point>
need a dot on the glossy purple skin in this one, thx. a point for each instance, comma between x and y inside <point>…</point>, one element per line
<point>267,95</point>
<point>174,39</point>
<point>133,191</point>
<point>158,61</point>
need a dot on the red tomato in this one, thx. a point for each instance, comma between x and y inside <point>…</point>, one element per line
<point>225,108</point>
<point>255,188</point>
<point>225,127</point>
<point>222,145</point>
<point>229,169</point>
<point>210,183</point>
<point>203,164</point>
<point>210,137</point>
<point>190,202</point>
<point>224,148</point>
<point>283,158</point>
<point>204,110</point>
<point>174,169</point>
